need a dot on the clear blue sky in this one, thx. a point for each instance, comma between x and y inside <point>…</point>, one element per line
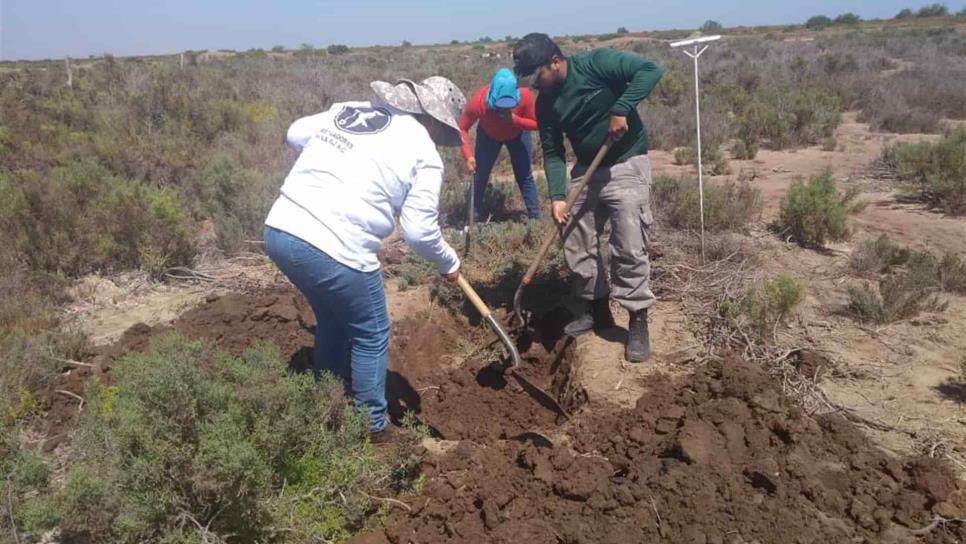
<point>37,29</point>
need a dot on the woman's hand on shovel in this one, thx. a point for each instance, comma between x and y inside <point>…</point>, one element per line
<point>452,276</point>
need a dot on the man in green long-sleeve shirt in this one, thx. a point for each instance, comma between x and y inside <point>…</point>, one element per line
<point>588,97</point>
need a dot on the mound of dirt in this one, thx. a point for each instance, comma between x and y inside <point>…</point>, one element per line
<point>719,457</point>
<point>232,322</point>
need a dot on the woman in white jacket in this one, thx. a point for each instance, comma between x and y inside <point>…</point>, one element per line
<point>360,165</point>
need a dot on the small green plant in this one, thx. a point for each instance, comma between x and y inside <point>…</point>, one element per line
<point>763,307</point>
<point>814,212</point>
<point>744,150</point>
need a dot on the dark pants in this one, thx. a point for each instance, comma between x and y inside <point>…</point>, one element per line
<point>521,149</point>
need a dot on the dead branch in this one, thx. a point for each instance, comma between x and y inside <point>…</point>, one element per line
<point>73,396</point>
<point>660,522</point>
<point>390,501</point>
<point>73,362</point>
<point>936,522</point>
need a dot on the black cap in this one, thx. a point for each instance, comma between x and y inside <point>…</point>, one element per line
<point>533,51</point>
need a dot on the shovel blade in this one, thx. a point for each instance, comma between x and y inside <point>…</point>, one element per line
<point>545,399</point>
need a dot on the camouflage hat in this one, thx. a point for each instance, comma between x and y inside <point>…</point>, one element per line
<point>435,96</point>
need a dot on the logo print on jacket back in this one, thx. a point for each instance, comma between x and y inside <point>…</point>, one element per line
<point>362,120</point>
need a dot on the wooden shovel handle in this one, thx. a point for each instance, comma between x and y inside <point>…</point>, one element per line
<point>474,298</point>
<point>569,204</point>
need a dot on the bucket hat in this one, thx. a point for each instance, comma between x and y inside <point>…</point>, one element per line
<point>435,96</point>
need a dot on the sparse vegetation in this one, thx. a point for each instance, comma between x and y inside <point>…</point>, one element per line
<point>728,206</point>
<point>936,171</point>
<point>881,255</point>
<point>814,212</point>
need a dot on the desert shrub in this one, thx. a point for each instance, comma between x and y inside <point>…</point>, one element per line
<point>81,218</point>
<point>34,337</point>
<point>952,273</point>
<point>878,255</point>
<point>787,117</point>
<point>814,212</point>
<point>727,206</point>
<point>762,307</point>
<point>744,149</point>
<point>905,13</point>
<point>937,171</point>
<point>895,297</point>
<point>829,144</point>
<point>882,256</point>
<point>685,155</point>
<point>715,162</point>
<point>237,444</point>
<point>337,49</point>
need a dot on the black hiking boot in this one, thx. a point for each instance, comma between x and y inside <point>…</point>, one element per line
<point>595,315</point>
<point>638,348</point>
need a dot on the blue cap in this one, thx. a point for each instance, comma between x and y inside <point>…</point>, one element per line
<point>504,93</point>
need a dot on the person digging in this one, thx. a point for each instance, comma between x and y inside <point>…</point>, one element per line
<point>360,165</point>
<point>590,97</point>
<point>506,118</point>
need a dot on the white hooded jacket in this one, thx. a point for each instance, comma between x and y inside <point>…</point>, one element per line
<point>360,164</point>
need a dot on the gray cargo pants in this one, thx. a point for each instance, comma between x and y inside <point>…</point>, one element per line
<point>621,194</point>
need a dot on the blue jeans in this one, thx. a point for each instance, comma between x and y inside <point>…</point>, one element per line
<point>520,148</point>
<point>352,324</point>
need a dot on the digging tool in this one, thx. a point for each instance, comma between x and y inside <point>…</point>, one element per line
<point>470,214</point>
<point>512,369</point>
<point>518,317</point>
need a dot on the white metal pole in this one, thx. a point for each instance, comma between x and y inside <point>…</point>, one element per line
<point>697,114</point>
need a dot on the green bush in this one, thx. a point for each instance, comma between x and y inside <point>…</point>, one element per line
<point>763,307</point>
<point>81,218</point>
<point>783,117</point>
<point>814,212</point>
<point>727,206</point>
<point>897,296</point>
<point>937,170</point>
<point>188,436</point>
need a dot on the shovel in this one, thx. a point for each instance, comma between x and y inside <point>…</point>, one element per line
<point>519,319</point>
<point>544,398</point>
<point>469,216</point>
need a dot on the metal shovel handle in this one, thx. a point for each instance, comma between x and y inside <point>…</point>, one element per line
<point>487,315</point>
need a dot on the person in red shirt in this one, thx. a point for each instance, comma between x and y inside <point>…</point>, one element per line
<point>506,115</point>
